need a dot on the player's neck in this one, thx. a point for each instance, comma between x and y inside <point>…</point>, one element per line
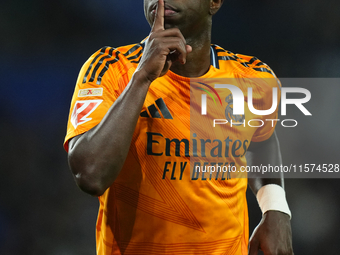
<point>198,61</point>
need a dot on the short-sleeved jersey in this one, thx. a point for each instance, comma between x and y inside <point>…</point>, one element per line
<point>155,206</point>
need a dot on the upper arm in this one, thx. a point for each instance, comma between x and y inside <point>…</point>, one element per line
<point>264,149</point>
<point>265,152</point>
<point>94,93</point>
<point>72,142</point>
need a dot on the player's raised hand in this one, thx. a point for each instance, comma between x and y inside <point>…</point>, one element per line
<point>162,48</point>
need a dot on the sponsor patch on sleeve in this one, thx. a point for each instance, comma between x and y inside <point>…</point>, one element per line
<point>81,111</point>
<point>94,92</point>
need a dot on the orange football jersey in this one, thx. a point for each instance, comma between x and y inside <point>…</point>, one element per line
<point>157,204</point>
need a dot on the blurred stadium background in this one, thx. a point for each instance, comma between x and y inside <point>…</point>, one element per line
<point>43,45</point>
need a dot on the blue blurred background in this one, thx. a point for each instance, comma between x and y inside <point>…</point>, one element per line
<point>43,46</point>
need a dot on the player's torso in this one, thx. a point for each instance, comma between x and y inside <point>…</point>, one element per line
<point>169,204</point>
<point>158,204</point>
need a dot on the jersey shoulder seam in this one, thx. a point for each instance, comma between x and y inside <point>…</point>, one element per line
<point>248,62</point>
<point>107,57</point>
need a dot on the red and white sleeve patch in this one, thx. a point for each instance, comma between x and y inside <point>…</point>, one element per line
<point>81,111</point>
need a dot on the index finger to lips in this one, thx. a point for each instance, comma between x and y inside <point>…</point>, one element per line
<point>158,23</point>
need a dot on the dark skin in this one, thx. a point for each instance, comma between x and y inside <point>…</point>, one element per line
<point>179,40</point>
<point>273,235</point>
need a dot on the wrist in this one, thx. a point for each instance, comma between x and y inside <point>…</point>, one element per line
<point>272,197</point>
<point>142,78</point>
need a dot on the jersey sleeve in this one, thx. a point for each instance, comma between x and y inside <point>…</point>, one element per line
<point>98,86</point>
<point>263,99</point>
<point>261,78</point>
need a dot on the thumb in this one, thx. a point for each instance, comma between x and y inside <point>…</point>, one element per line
<point>254,246</point>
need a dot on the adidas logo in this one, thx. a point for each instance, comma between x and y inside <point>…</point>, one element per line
<point>155,112</point>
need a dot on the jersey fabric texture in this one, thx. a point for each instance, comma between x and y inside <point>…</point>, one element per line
<point>154,206</point>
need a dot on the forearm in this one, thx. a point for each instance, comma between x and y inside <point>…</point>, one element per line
<point>270,197</point>
<point>265,153</point>
<point>97,156</point>
<point>257,183</point>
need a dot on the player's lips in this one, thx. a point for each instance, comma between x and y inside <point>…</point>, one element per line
<point>168,10</point>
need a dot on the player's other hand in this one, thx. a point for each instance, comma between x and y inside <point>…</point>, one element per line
<point>273,235</point>
<point>162,48</point>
